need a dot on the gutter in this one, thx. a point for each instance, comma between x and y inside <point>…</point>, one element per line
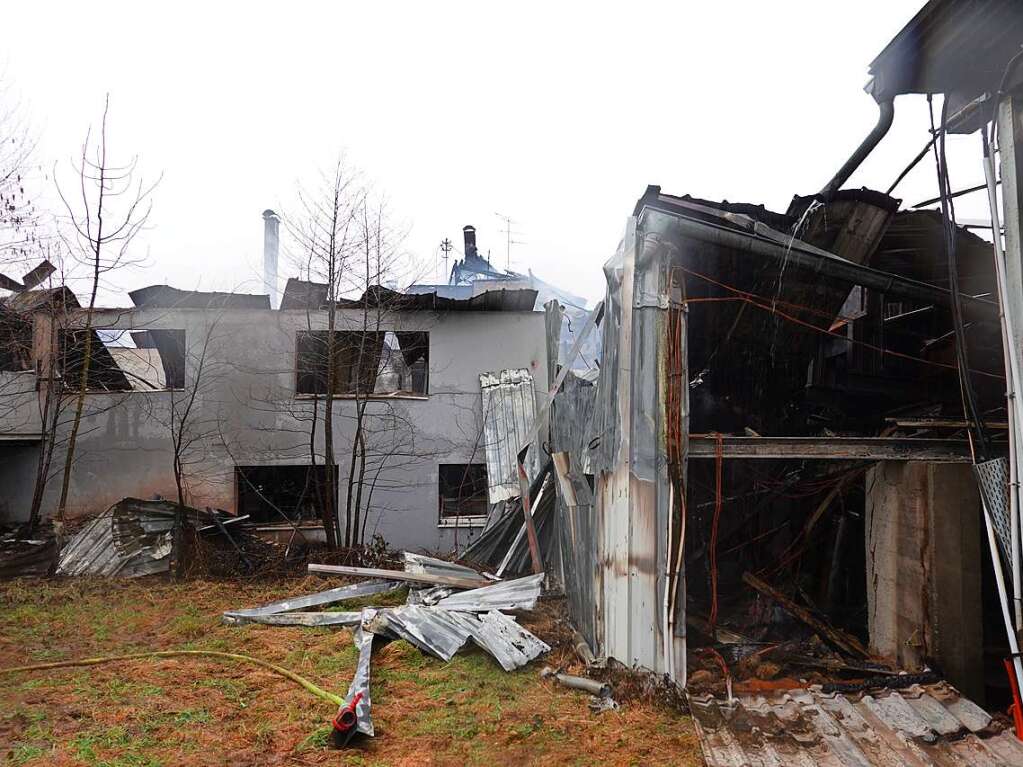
<point>884,121</point>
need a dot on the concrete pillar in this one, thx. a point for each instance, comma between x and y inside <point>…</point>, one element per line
<point>924,569</point>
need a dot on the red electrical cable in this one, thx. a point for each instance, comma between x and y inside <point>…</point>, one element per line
<point>750,298</point>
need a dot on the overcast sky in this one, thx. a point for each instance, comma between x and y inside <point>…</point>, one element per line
<point>556,114</point>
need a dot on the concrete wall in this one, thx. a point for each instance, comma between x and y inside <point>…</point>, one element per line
<point>924,569</point>
<point>247,413</point>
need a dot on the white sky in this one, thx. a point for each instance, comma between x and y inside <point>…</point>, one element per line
<point>557,114</point>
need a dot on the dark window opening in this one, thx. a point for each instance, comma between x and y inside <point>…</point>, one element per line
<point>121,360</point>
<point>277,494</point>
<point>374,363</point>
<point>462,490</point>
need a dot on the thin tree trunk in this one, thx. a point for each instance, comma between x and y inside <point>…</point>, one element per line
<point>361,439</point>
<point>97,249</point>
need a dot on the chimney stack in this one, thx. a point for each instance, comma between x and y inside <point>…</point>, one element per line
<point>271,248</point>
<point>469,235</point>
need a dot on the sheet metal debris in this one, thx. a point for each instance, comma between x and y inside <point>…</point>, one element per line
<point>131,539</point>
<point>134,537</point>
<point>518,594</point>
<point>319,599</point>
<point>338,618</point>
<point>424,565</point>
<point>438,620</point>
<point>921,725</point>
<point>363,640</point>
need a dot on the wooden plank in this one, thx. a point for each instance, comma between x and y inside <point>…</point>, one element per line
<point>844,642</point>
<point>401,575</point>
<point>534,544</point>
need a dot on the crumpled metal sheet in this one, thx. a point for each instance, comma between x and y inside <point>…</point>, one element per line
<point>510,644</point>
<point>340,618</point>
<point>428,596</point>
<point>363,639</point>
<point>921,725</point>
<point>127,540</point>
<point>319,599</point>
<point>442,633</point>
<point>504,538</point>
<point>420,563</point>
<point>517,594</point>
<point>428,628</point>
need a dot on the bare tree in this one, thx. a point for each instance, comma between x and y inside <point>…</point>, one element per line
<point>326,234</point>
<point>112,207</point>
<point>192,419</point>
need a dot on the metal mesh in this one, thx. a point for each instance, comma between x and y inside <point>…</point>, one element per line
<point>993,478</point>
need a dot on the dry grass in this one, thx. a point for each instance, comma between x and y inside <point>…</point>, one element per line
<point>192,712</point>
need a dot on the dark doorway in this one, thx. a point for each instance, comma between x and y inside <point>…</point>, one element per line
<point>268,494</point>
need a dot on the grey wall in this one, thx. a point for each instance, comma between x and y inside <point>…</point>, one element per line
<point>248,414</point>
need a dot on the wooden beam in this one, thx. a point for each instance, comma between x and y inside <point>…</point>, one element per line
<point>941,423</point>
<point>401,575</point>
<point>844,642</point>
<point>834,448</point>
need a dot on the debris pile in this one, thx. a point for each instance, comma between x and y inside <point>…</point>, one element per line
<point>135,537</point>
<point>448,605</point>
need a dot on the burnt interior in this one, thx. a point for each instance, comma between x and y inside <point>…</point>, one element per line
<point>776,349</point>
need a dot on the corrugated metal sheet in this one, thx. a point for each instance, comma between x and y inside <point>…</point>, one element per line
<point>921,725</point>
<point>509,410</point>
<point>131,539</point>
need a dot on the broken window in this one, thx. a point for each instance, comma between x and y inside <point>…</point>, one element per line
<point>121,360</point>
<point>277,494</point>
<point>462,490</point>
<point>374,363</point>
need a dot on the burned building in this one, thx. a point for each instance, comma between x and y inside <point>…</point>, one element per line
<point>794,491</point>
<point>251,380</point>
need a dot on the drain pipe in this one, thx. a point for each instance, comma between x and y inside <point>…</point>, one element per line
<point>884,122</point>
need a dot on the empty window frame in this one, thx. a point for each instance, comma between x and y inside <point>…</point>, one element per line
<point>367,363</point>
<point>276,494</point>
<point>123,361</point>
<point>462,490</point>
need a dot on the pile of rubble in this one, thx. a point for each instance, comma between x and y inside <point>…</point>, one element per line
<point>447,606</point>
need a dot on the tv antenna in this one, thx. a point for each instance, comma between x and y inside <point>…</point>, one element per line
<point>508,232</point>
<point>446,247</point>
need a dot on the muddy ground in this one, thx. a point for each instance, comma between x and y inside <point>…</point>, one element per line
<point>208,712</point>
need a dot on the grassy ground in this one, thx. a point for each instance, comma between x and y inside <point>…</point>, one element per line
<point>192,712</point>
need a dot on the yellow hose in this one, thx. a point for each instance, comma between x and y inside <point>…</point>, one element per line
<point>319,692</point>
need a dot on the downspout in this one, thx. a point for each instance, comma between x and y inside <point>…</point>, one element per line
<point>884,122</point>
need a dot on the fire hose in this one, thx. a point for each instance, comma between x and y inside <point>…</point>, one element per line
<point>344,722</point>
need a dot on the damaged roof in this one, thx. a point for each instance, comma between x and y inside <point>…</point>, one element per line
<point>920,725</point>
<point>301,294</point>
<point>166,297</point>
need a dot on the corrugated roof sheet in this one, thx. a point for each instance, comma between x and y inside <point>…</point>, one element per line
<point>131,539</point>
<point>920,725</point>
<point>509,410</point>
